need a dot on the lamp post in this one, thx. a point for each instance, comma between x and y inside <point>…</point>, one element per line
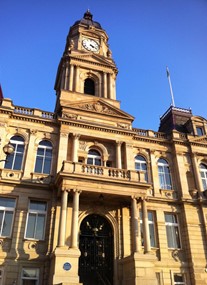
<point>7,149</point>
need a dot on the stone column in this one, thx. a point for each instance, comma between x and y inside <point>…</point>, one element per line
<point>76,78</point>
<point>63,215</point>
<point>105,85</point>
<point>66,77</point>
<point>146,234</point>
<point>74,225</point>
<point>118,154</point>
<point>71,77</point>
<point>62,83</point>
<point>114,87</point>
<point>109,85</point>
<point>135,228</point>
<point>99,88</point>
<point>75,147</point>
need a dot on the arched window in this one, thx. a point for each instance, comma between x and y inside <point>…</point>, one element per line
<point>44,157</point>
<point>94,157</point>
<point>203,172</point>
<point>164,174</point>
<point>141,164</point>
<point>14,160</point>
<point>89,86</point>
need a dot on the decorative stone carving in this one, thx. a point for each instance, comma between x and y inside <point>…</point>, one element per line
<point>33,132</point>
<point>82,145</point>
<point>36,178</point>
<point>176,255</point>
<point>63,135</point>
<point>69,116</point>
<point>32,245</point>
<point>97,107</point>
<point>193,193</point>
<point>123,126</point>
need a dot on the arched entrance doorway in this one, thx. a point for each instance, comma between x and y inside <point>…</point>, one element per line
<point>96,246</point>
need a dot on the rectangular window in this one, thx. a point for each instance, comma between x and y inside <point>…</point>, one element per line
<point>1,276</point>
<point>200,131</point>
<point>179,279</point>
<point>30,276</point>
<point>7,206</point>
<point>172,230</point>
<point>36,219</point>
<point>151,224</point>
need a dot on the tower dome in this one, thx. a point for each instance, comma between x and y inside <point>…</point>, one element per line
<point>87,20</point>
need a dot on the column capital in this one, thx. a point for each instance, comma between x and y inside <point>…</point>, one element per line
<point>78,191</point>
<point>65,189</point>
<point>134,197</point>
<point>144,199</point>
<point>119,143</point>
<point>76,136</point>
<point>63,134</point>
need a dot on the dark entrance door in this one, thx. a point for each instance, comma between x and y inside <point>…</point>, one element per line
<point>96,246</point>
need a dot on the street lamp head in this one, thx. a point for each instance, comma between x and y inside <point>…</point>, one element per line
<point>8,149</point>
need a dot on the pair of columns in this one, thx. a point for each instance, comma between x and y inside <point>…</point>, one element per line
<point>63,219</point>
<point>72,71</point>
<point>67,79</point>
<point>135,226</point>
<point>108,86</point>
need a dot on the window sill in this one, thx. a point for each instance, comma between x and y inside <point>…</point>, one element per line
<point>11,174</point>
<point>41,178</point>
<point>168,193</point>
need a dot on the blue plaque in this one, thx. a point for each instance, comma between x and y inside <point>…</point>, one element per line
<point>67,266</point>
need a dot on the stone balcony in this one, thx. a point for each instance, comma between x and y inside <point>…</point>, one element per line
<point>103,172</point>
<point>102,179</point>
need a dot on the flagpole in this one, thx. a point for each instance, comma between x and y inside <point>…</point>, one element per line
<point>171,91</point>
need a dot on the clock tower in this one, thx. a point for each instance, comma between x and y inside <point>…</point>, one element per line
<point>86,67</point>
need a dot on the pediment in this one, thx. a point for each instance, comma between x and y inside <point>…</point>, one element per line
<point>94,58</point>
<point>202,140</point>
<point>99,106</point>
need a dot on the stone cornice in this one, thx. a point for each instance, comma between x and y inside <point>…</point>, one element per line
<point>33,119</point>
<point>109,65</point>
<point>96,127</point>
<point>151,140</point>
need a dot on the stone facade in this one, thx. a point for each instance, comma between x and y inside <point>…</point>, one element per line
<point>86,198</point>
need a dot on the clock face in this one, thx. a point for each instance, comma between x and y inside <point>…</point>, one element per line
<point>90,45</point>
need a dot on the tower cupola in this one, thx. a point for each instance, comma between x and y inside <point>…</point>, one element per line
<point>86,67</point>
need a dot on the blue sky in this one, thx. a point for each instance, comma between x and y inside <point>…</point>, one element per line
<point>145,36</point>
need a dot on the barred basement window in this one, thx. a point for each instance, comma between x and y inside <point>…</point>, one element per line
<point>1,276</point>
<point>36,220</point>
<point>30,276</point>
<point>7,206</point>
<point>179,279</point>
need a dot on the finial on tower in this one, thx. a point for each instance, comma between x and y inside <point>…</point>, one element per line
<point>88,15</point>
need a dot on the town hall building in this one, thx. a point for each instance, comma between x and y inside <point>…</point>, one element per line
<point>86,198</point>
